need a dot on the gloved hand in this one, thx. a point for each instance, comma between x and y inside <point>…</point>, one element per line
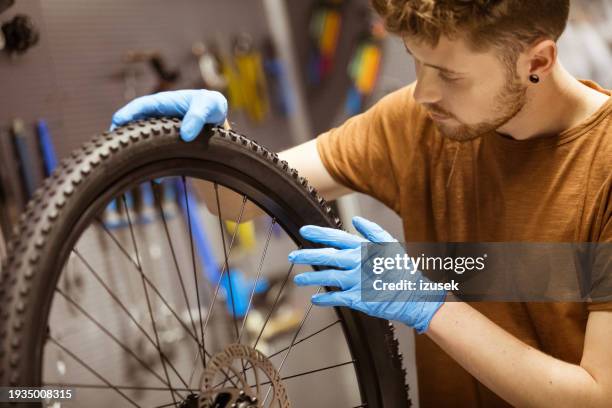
<point>197,107</point>
<point>416,309</point>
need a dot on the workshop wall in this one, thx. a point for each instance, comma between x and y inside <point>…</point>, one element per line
<point>73,77</point>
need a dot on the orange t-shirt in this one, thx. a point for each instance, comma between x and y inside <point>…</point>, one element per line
<point>491,189</point>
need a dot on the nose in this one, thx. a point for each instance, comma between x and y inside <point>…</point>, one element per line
<point>427,89</point>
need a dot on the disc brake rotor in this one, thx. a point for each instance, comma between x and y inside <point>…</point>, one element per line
<point>224,382</point>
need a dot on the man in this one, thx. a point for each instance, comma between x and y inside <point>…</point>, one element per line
<point>495,141</point>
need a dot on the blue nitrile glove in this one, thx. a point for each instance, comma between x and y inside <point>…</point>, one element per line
<point>197,107</point>
<point>415,309</point>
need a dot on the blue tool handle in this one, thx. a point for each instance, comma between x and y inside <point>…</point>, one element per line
<point>46,147</point>
<point>148,199</point>
<point>239,287</point>
<point>25,163</point>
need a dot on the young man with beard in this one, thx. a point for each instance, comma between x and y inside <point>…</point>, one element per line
<point>495,141</point>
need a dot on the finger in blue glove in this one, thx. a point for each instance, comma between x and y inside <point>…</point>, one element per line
<point>197,107</point>
<point>331,236</point>
<point>329,277</point>
<point>339,258</point>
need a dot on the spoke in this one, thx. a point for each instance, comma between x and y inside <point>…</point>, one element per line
<point>195,275</point>
<point>174,257</point>
<point>318,370</point>
<point>212,305</point>
<point>138,266</point>
<point>229,273</point>
<point>276,300</point>
<point>305,338</point>
<point>194,365</point>
<point>113,337</point>
<point>296,343</point>
<point>297,332</point>
<point>127,312</point>
<point>227,253</point>
<point>259,269</point>
<point>157,292</point>
<point>133,319</point>
<point>116,241</point>
<point>94,372</point>
<point>144,286</point>
<point>310,372</point>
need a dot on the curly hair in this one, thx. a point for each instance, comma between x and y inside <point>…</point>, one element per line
<point>508,25</point>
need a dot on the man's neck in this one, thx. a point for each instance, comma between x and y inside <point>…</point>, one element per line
<point>553,106</point>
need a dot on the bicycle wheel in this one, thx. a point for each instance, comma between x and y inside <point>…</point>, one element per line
<point>123,314</point>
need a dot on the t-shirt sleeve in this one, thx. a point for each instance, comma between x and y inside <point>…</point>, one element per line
<point>603,257</point>
<point>359,154</point>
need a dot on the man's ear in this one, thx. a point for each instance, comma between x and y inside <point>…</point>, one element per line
<point>541,58</point>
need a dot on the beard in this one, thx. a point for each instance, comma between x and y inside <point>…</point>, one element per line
<point>507,103</point>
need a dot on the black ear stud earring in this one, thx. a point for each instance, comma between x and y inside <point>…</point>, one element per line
<point>534,78</point>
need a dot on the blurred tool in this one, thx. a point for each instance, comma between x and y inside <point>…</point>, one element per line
<point>280,90</point>
<point>45,142</point>
<point>115,214</point>
<point>324,30</point>
<point>25,161</point>
<point>249,67</point>
<point>285,320</point>
<point>146,209</point>
<point>364,69</point>
<point>210,66</point>
<point>166,78</point>
<point>112,217</point>
<point>18,35</point>
<point>234,86</point>
<point>245,234</point>
<point>140,202</point>
<point>130,74</point>
<point>241,285</point>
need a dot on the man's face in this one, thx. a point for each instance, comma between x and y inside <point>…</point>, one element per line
<point>465,93</point>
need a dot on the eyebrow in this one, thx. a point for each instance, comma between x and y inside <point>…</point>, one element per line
<point>450,71</point>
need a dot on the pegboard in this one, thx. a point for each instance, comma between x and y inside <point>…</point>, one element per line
<point>72,78</point>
